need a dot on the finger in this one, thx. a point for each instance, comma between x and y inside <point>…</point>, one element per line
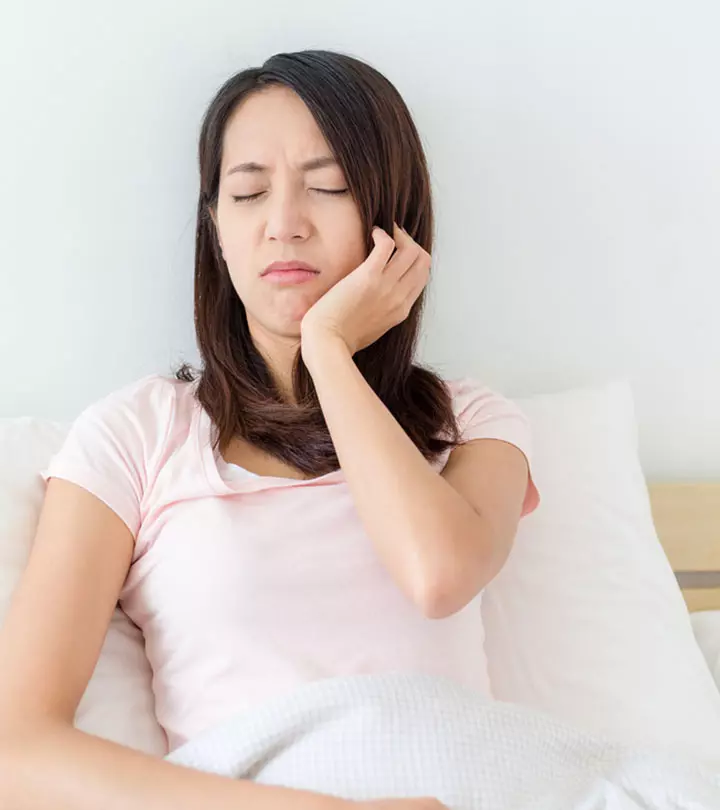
<point>381,252</point>
<point>408,251</point>
<point>419,254</point>
<point>409,287</point>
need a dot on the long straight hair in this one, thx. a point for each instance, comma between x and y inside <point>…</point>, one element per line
<point>371,134</point>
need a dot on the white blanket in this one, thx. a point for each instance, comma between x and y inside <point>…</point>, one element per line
<point>403,735</point>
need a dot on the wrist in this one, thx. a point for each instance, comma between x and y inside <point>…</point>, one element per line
<point>320,345</point>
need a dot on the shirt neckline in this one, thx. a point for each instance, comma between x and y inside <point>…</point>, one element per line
<point>254,482</point>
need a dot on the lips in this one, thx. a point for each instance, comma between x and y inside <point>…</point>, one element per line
<point>285,274</point>
<point>281,267</point>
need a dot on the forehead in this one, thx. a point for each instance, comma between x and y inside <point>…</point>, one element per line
<point>272,124</point>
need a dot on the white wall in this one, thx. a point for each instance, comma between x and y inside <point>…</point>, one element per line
<point>575,151</point>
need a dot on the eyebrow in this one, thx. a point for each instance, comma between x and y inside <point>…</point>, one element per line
<point>307,166</point>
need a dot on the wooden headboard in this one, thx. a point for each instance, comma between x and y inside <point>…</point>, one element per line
<point>687,519</point>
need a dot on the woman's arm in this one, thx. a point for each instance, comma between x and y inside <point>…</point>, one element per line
<point>56,766</point>
<point>442,537</point>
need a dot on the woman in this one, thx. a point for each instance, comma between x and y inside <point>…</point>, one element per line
<point>305,506</point>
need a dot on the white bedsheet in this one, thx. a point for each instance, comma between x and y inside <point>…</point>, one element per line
<point>403,735</point>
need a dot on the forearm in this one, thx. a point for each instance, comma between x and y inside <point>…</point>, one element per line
<point>419,524</point>
<point>62,768</point>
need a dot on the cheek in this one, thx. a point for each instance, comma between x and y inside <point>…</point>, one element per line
<point>239,260</point>
<point>239,267</point>
<point>236,241</point>
<point>349,248</point>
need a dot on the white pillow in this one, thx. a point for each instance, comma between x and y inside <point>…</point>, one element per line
<point>118,703</point>
<point>706,624</point>
<point>586,620</point>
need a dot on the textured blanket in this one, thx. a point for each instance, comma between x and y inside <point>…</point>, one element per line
<point>404,735</point>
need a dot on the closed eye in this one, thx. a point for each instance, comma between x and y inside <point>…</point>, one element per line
<point>245,199</point>
<point>338,192</point>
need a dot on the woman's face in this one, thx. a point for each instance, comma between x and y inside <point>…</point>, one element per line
<point>292,218</point>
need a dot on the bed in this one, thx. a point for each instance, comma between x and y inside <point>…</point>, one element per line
<point>687,519</point>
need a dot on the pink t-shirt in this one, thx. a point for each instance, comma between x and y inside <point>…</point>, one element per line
<point>246,586</point>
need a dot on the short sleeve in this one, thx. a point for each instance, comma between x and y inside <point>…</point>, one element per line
<point>110,447</point>
<point>482,413</point>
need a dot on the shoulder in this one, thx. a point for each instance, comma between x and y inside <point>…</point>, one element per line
<point>473,401</point>
<point>484,413</point>
<point>144,401</point>
<point>146,395</point>
<point>143,413</point>
<point>116,445</point>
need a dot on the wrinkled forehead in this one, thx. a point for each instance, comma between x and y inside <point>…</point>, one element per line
<point>275,129</point>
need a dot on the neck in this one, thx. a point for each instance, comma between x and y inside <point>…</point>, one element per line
<point>279,352</point>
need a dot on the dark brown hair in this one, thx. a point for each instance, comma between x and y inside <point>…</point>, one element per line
<point>372,136</point>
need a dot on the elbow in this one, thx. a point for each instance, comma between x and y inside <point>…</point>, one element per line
<point>440,600</point>
<point>441,596</point>
<point>434,608</point>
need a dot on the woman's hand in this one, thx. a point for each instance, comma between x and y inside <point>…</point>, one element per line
<point>371,299</point>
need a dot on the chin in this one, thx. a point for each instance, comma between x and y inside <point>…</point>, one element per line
<point>283,320</point>
<point>288,320</point>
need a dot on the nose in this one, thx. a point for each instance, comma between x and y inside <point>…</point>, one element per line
<point>287,217</point>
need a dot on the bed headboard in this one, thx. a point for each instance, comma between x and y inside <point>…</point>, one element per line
<point>687,519</point>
